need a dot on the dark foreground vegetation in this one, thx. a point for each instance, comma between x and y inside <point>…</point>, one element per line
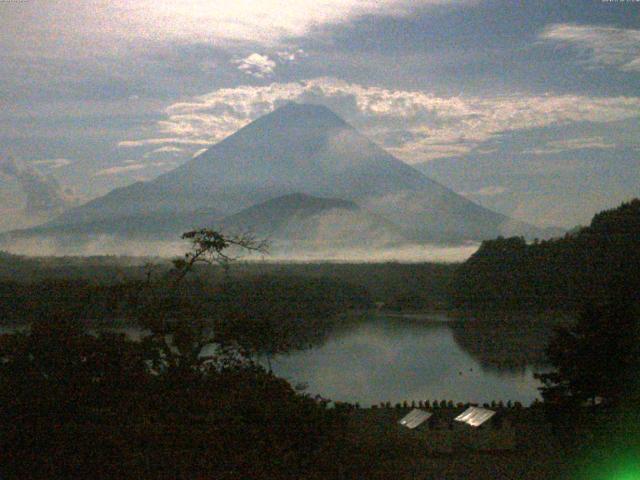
<point>189,400</point>
<point>185,401</point>
<point>79,406</point>
<point>394,286</point>
<point>76,405</point>
<point>563,274</point>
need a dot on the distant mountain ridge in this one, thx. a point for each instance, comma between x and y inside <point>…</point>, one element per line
<point>303,220</point>
<point>153,225</point>
<point>274,214</point>
<point>297,149</point>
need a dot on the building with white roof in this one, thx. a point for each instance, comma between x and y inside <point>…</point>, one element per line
<point>415,418</point>
<point>475,416</point>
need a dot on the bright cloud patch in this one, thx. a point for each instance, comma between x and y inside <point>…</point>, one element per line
<point>290,55</point>
<point>53,162</point>
<point>490,191</point>
<point>612,46</point>
<point>416,126</point>
<point>115,24</point>
<point>256,65</point>
<point>582,143</point>
<point>44,195</point>
<point>161,141</point>
<point>167,150</point>
<point>199,152</point>
<point>120,169</point>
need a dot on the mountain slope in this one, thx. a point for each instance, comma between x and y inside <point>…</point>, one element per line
<point>563,188</point>
<point>296,148</point>
<point>153,225</point>
<point>308,149</point>
<point>302,219</point>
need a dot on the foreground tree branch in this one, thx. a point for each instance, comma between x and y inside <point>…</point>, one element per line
<point>212,247</point>
<point>179,332</point>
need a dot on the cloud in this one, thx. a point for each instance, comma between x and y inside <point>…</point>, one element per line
<point>414,125</point>
<point>54,162</point>
<point>604,45</point>
<point>44,195</point>
<point>485,150</point>
<point>167,150</point>
<point>256,65</point>
<point>290,55</point>
<point>581,143</point>
<point>114,25</point>
<point>161,141</point>
<point>490,191</point>
<point>132,165</point>
<point>199,152</point>
<point>263,66</point>
<point>120,169</point>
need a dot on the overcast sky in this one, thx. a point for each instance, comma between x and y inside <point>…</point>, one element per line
<point>101,93</point>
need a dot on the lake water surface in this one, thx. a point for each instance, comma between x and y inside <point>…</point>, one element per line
<point>391,359</point>
<point>383,358</point>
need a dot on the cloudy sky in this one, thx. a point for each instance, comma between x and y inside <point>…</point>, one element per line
<point>533,110</point>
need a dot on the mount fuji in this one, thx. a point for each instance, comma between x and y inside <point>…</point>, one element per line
<point>298,162</point>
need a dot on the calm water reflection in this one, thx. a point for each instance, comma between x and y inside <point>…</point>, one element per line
<point>389,359</point>
<point>393,359</point>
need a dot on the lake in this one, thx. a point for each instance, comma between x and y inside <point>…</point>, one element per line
<point>395,359</point>
<point>387,358</point>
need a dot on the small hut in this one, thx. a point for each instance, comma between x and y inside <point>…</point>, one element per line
<point>428,430</point>
<point>483,429</point>
<point>475,416</point>
<point>415,418</point>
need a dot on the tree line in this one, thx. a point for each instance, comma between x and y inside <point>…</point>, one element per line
<point>562,274</point>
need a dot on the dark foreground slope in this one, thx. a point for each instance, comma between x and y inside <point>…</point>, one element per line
<point>589,265</point>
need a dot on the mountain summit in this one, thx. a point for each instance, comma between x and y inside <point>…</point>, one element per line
<point>301,149</point>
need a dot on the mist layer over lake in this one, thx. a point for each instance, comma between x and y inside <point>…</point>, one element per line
<point>278,252</point>
<point>392,359</point>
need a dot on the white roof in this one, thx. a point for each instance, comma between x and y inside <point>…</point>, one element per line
<point>414,418</point>
<point>475,416</point>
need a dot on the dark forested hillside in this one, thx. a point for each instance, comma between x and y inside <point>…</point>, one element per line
<point>409,287</point>
<point>307,298</point>
<point>584,266</point>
